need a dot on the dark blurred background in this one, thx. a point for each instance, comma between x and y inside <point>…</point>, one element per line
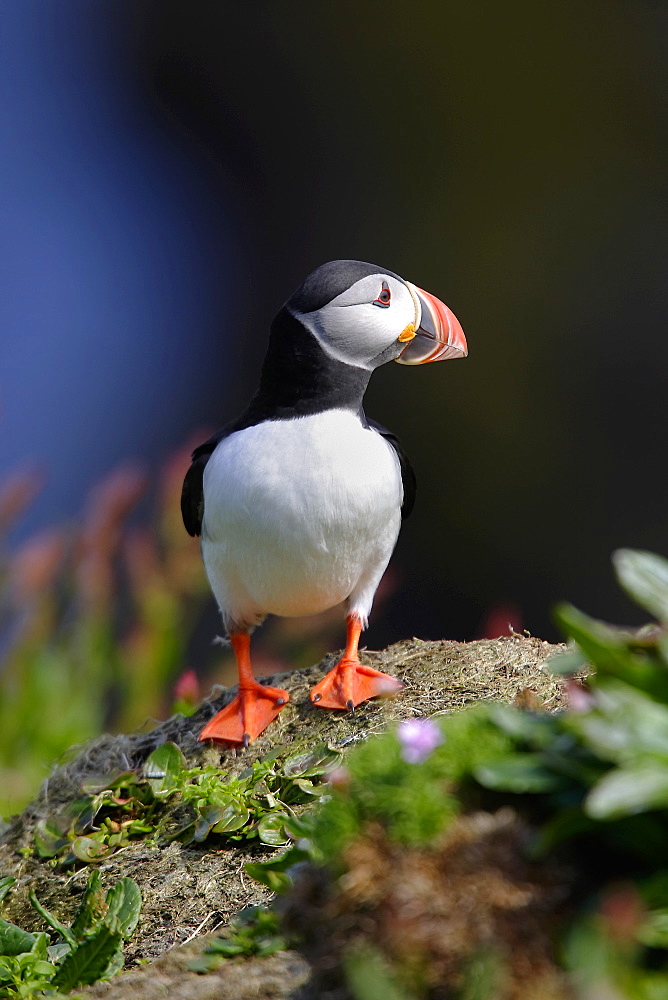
<point>171,171</point>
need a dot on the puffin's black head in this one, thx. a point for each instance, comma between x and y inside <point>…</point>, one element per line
<point>330,280</point>
<point>365,316</point>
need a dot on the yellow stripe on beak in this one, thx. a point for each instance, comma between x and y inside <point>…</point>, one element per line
<point>407,334</point>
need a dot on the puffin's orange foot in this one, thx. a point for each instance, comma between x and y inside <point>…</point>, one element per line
<point>247,715</point>
<point>349,683</point>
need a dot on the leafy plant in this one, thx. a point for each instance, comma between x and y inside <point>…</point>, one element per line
<point>590,784</point>
<point>89,950</point>
<point>169,800</point>
<point>254,931</point>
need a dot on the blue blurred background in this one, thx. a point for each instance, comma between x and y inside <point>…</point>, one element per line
<point>171,171</point>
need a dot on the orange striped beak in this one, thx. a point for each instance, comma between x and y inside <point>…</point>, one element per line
<point>439,335</point>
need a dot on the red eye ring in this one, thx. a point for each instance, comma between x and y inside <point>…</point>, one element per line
<point>384,297</point>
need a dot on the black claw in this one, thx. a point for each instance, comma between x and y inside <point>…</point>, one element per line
<point>350,706</point>
<point>280,701</point>
<point>317,697</point>
<point>246,740</point>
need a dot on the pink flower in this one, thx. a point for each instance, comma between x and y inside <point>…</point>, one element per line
<point>418,738</point>
<point>580,698</point>
<point>339,778</point>
<point>187,687</point>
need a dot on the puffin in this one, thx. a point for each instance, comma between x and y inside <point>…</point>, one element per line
<point>298,502</point>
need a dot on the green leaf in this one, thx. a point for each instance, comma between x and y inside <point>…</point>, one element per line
<point>309,789</point>
<point>654,930</point>
<point>80,814</point>
<point>271,829</point>
<point>597,640</point>
<point>41,945</point>
<point>519,773</point>
<point>233,816</point>
<point>311,763</point>
<point>43,968</point>
<point>115,965</point>
<point>5,885</point>
<point>57,952</point>
<point>124,902</point>
<point>565,664</point>
<point>48,917</point>
<point>164,769</point>
<point>628,790</point>
<point>624,724</point>
<point>608,650</point>
<point>96,783</point>
<point>90,961</point>
<point>207,818</point>
<point>255,931</point>
<point>225,946</point>
<point>6,971</point>
<point>271,946</point>
<point>90,849</point>
<point>205,963</point>
<point>136,827</point>
<point>14,940</point>
<point>274,873</point>
<point>644,577</point>
<point>91,908</point>
<point>49,841</point>
<point>527,727</point>
<point>183,831</point>
<point>370,977</point>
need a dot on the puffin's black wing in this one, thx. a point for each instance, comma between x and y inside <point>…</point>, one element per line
<point>407,473</point>
<point>192,494</point>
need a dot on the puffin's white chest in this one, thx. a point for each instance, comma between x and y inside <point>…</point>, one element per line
<point>297,512</point>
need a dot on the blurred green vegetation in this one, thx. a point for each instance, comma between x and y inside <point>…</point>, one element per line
<point>95,619</point>
<point>568,811</point>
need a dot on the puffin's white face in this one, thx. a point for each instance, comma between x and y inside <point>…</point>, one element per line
<point>369,323</point>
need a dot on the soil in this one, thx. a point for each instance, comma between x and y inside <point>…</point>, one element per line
<point>188,892</point>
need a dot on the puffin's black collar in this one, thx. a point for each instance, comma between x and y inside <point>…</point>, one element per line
<point>299,378</point>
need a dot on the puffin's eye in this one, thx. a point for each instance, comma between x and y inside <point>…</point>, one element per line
<point>384,297</point>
